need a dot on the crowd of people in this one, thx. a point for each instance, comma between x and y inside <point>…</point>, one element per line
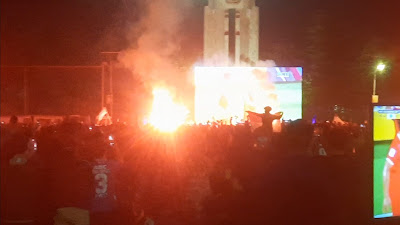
<point>77,173</point>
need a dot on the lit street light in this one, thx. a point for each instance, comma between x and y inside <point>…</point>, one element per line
<point>379,68</point>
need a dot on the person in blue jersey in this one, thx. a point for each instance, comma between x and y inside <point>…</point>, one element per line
<point>105,172</point>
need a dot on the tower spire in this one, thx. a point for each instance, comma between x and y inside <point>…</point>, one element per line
<point>231,32</point>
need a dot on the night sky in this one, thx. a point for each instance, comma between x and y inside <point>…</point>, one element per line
<point>353,33</point>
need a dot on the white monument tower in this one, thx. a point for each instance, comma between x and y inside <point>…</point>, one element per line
<point>231,31</point>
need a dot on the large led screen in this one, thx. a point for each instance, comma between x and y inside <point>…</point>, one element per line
<point>223,93</point>
<point>386,161</point>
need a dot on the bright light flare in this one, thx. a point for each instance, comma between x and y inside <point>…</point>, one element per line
<point>166,115</point>
<point>225,93</point>
<point>380,67</point>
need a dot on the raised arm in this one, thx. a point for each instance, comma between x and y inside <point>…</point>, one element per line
<point>255,114</point>
<point>278,115</point>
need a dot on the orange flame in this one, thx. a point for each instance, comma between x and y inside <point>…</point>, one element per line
<point>166,115</point>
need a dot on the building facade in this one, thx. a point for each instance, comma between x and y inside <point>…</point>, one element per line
<point>231,32</point>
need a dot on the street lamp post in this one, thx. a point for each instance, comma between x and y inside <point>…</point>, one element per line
<point>110,56</point>
<point>379,68</point>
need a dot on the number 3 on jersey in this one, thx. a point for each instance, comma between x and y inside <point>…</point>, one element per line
<point>101,179</point>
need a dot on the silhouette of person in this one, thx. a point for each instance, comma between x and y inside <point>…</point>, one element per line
<point>267,119</point>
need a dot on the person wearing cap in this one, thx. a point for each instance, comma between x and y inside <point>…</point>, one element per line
<point>267,119</point>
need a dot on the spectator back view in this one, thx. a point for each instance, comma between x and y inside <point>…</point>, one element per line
<point>71,186</point>
<point>104,207</point>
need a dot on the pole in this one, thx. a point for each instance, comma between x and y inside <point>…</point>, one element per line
<point>26,103</point>
<point>110,73</point>
<point>111,90</point>
<point>374,87</point>
<point>102,84</point>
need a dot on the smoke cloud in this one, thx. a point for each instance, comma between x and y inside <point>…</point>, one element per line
<point>155,49</point>
<point>156,43</point>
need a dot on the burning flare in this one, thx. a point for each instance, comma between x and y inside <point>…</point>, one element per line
<point>166,115</point>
